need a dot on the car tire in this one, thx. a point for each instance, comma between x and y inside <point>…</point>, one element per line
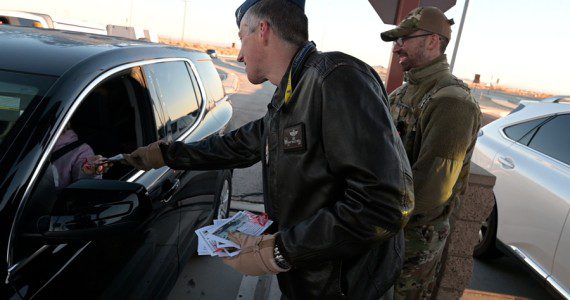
<point>486,248</point>
<point>224,197</point>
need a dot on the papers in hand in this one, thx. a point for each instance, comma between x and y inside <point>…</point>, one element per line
<point>116,158</point>
<point>214,240</point>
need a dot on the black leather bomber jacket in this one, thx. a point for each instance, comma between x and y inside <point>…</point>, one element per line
<point>336,178</point>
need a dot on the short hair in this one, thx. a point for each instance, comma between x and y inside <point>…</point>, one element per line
<point>285,18</point>
<point>443,42</point>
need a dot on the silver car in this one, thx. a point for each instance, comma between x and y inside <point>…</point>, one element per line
<point>557,99</point>
<point>529,153</point>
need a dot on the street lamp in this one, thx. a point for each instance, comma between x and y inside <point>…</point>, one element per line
<point>131,13</point>
<point>184,19</point>
<point>452,64</point>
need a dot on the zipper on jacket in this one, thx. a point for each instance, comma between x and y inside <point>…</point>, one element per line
<point>274,110</point>
<point>340,279</point>
<point>270,171</point>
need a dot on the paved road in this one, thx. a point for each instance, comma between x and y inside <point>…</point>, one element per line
<point>249,104</point>
<point>208,278</point>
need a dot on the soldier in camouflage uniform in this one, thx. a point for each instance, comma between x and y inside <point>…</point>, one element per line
<point>438,120</point>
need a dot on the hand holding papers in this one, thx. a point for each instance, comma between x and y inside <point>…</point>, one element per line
<point>214,240</point>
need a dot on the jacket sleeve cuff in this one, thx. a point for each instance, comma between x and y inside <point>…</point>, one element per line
<point>164,150</point>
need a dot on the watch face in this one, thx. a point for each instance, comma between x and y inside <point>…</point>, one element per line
<point>279,259</point>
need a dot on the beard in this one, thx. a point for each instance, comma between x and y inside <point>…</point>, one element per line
<point>413,57</point>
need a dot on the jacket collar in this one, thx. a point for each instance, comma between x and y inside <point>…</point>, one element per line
<point>299,60</point>
<point>422,74</point>
<point>296,68</point>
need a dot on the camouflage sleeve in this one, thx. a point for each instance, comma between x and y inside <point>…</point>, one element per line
<point>448,127</point>
<point>392,96</point>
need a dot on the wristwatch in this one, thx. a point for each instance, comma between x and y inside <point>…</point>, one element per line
<point>279,259</point>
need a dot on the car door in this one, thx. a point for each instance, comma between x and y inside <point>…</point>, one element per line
<point>560,277</point>
<point>532,191</point>
<point>182,98</point>
<point>208,194</point>
<point>114,118</point>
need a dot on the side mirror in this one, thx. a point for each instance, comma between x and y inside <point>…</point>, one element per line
<point>94,209</point>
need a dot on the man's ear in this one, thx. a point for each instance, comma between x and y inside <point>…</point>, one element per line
<point>264,32</point>
<point>433,42</point>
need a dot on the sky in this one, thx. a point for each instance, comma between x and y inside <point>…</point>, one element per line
<point>521,43</point>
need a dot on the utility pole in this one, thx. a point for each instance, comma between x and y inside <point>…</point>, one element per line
<point>184,19</point>
<point>458,36</point>
<point>131,13</point>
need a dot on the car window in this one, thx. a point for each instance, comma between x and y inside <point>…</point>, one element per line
<point>114,118</point>
<point>521,130</point>
<point>194,83</point>
<point>210,80</point>
<point>174,89</point>
<point>17,91</point>
<point>528,136</point>
<point>111,120</point>
<point>564,100</point>
<point>553,139</point>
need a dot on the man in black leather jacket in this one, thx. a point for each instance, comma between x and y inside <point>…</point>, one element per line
<point>336,177</point>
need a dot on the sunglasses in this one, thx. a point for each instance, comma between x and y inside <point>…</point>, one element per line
<point>400,41</point>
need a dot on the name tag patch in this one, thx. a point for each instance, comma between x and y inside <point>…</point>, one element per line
<point>294,138</point>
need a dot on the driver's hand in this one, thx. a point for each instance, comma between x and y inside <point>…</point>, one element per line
<point>96,165</point>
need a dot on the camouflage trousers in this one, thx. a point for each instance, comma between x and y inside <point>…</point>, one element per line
<point>424,247</point>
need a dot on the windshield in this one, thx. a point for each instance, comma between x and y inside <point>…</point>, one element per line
<point>17,92</point>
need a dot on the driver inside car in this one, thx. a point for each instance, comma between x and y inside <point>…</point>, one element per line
<point>74,160</point>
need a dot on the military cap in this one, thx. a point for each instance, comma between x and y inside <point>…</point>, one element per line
<point>242,9</point>
<point>428,18</point>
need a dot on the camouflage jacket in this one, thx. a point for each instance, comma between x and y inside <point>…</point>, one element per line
<point>438,121</point>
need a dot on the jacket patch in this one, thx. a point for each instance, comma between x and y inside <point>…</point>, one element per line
<point>294,138</point>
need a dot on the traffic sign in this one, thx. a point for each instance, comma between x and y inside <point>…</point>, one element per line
<point>388,9</point>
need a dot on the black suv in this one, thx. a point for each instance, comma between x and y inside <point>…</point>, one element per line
<point>125,235</point>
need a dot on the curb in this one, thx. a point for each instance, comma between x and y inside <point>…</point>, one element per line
<point>239,205</point>
<point>230,80</point>
<point>227,56</point>
<point>480,295</point>
<point>231,83</point>
<point>259,288</point>
<point>266,287</point>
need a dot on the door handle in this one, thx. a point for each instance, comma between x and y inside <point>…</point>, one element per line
<point>507,162</point>
<point>168,194</point>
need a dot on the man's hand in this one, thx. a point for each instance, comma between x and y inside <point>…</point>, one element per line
<point>256,256</point>
<point>146,158</point>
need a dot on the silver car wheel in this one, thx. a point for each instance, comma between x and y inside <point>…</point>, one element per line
<point>483,231</point>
